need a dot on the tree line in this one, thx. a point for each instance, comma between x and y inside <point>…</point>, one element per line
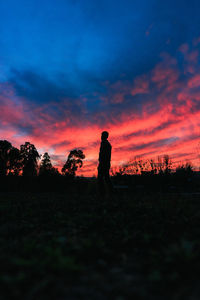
<point>163,165</point>
<point>25,161</point>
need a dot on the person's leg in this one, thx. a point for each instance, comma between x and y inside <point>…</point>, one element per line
<point>100,180</point>
<point>108,181</point>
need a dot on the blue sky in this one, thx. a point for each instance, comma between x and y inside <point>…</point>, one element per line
<point>80,43</point>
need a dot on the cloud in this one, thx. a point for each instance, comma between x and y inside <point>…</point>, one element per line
<point>194,81</point>
<point>153,114</point>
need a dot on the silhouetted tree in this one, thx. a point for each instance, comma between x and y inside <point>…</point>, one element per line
<point>30,156</point>
<point>184,170</point>
<point>46,165</point>
<point>167,164</point>
<point>15,162</point>
<point>46,168</point>
<point>74,161</point>
<point>54,171</point>
<point>5,148</point>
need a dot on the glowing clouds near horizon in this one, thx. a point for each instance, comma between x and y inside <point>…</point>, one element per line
<point>154,114</point>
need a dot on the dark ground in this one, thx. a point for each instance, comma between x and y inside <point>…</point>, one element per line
<point>76,246</point>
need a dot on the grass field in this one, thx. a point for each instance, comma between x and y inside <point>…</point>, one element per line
<point>59,246</point>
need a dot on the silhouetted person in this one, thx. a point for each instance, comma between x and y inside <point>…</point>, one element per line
<point>104,164</point>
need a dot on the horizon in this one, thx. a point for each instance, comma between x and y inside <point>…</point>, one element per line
<point>70,70</point>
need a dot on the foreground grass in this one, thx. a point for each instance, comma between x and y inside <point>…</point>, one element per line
<point>61,246</point>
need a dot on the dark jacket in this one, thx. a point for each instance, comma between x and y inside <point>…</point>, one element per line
<point>105,154</point>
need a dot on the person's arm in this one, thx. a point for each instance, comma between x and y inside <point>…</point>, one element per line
<point>101,153</point>
<point>110,149</point>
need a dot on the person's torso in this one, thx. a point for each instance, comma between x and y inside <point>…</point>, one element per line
<point>105,153</point>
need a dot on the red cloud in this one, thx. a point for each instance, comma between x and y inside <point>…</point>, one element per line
<point>141,86</point>
<point>167,123</point>
<point>194,81</point>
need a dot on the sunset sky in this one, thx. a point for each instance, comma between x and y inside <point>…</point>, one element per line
<point>72,68</point>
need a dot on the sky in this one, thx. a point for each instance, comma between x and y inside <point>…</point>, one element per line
<point>70,69</point>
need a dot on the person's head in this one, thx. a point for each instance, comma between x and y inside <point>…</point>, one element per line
<point>104,135</point>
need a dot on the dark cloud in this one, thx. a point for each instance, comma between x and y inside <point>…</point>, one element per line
<point>60,145</point>
<point>151,131</point>
<point>155,144</point>
<point>65,103</point>
<point>184,155</point>
<point>51,98</point>
<point>38,88</point>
